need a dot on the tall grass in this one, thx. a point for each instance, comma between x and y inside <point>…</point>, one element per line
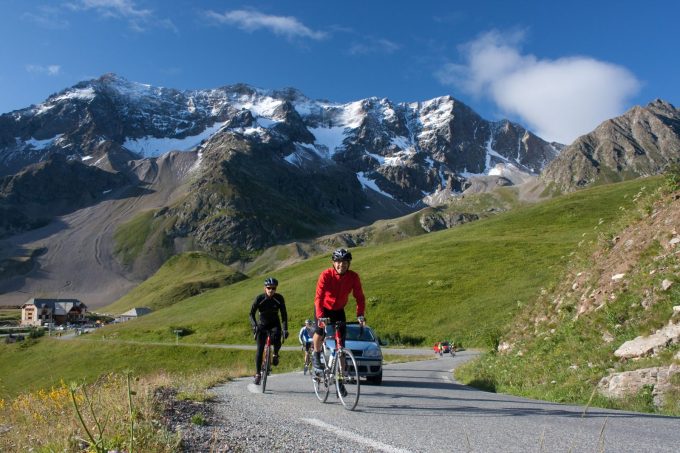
<point>46,420</point>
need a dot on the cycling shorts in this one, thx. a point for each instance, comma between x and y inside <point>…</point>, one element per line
<point>335,316</point>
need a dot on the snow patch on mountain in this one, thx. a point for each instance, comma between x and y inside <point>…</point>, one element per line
<point>40,144</point>
<point>352,114</point>
<point>328,139</point>
<point>435,113</point>
<point>401,142</point>
<point>303,154</point>
<point>400,158</point>
<point>368,183</point>
<point>155,146</point>
<point>86,94</point>
<point>259,106</point>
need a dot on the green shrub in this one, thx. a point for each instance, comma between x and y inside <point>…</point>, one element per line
<point>672,177</point>
<point>198,419</point>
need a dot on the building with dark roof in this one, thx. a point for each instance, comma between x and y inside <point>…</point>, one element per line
<point>38,312</point>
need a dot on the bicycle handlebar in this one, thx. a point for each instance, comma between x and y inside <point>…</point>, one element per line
<point>325,321</point>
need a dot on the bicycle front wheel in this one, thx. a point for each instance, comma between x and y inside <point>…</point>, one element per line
<point>321,384</point>
<point>265,366</point>
<point>347,382</point>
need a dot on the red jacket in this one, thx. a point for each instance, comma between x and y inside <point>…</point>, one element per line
<point>333,289</point>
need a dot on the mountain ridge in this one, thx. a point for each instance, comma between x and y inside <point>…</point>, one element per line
<point>235,170</point>
<point>644,141</point>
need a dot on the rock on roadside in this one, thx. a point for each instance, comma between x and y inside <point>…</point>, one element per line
<point>627,383</point>
<point>642,346</point>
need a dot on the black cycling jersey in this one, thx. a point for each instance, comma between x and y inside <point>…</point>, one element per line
<point>269,308</point>
<point>269,323</point>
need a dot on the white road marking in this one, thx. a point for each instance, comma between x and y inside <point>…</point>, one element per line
<point>355,437</point>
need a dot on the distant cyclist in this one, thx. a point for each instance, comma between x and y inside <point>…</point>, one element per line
<point>306,337</point>
<point>269,304</point>
<point>333,288</point>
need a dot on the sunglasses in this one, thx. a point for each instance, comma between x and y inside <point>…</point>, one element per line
<point>270,287</point>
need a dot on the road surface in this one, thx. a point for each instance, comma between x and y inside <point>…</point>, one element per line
<point>420,408</point>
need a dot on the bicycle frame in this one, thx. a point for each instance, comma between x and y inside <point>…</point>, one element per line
<point>308,351</point>
<point>341,371</point>
<point>266,359</point>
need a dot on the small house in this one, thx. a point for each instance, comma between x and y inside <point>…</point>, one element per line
<point>39,312</point>
<point>133,313</point>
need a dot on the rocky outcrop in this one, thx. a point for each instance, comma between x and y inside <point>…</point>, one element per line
<point>642,142</point>
<point>630,383</point>
<point>649,345</point>
<point>438,220</point>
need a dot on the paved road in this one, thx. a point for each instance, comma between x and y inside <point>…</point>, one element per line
<point>420,408</point>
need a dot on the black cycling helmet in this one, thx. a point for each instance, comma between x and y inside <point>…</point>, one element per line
<point>309,321</point>
<point>271,281</point>
<point>341,255</point>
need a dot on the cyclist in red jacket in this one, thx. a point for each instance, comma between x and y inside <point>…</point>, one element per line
<point>332,294</point>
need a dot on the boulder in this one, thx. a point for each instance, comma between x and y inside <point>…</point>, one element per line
<point>666,284</point>
<point>642,346</point>
<point>629,383</point>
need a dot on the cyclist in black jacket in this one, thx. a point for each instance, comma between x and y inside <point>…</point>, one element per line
<point>268,304</point>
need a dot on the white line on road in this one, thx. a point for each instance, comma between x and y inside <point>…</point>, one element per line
<point>355,437</point>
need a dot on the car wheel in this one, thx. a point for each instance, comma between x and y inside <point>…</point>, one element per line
<point>375,380</point>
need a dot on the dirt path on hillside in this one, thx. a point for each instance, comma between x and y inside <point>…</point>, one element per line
<point>78,261</point>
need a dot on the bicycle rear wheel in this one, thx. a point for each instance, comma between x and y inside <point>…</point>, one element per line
<point>308,363</point>
<point>265,366</point>
<point>321,384</point>
<point>347,382</point>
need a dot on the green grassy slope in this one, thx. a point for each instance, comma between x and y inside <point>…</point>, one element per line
<point>33,365</point>
<point>555,355</point>
<point>465,283</point>
<point>386,231</point>
<point>181,277</point>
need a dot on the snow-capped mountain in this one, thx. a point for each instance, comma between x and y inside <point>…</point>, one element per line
<point>137,173</point>
<point>404,151</point>
<point>262,166</point>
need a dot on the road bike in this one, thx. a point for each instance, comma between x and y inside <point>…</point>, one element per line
<point>341,372</point>
<point>266,360</point>
<point>308,358</point>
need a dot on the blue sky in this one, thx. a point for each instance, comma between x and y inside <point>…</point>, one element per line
<point>558,68</point>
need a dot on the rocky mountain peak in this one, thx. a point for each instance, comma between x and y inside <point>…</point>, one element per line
<point>641,142</point>
<point>662,107</point>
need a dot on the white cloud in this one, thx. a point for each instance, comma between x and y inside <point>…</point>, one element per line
<point>47,17</point>
<point>111,8</point>
<point>373,46</point>
<point>251,21</point>
<point>559,99</point>
<point>138,19</point>
<point>50,70</point>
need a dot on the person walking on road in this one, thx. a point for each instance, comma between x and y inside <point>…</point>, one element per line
<point>269,304</point>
